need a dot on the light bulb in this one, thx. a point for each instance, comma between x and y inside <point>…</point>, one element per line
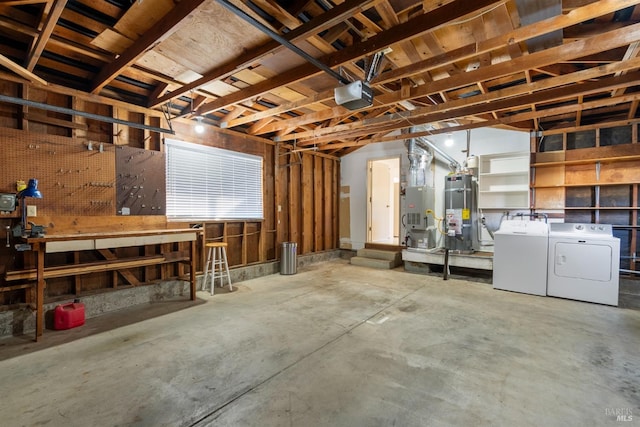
<point>449,141</point>
<point>199,126</point>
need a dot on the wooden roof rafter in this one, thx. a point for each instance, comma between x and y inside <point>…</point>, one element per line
<point>158,32</point>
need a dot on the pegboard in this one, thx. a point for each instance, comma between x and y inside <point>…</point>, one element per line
<point>73,180</point>
<point>141,177</point>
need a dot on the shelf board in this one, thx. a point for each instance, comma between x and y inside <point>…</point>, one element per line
<point>587,161</point>
<point>505,207</point>
<point>586,184</point>
<point>601,208</point>
<point>502,174</point>
<point>503,191</point>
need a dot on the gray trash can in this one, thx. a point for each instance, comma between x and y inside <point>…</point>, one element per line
<point>289,258</point>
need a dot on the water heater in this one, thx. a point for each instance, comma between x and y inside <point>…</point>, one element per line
<point>461,213</point>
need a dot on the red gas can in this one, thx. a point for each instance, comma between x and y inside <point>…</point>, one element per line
<point>67,316</point>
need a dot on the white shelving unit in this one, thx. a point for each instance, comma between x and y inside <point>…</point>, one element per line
<point>503,181</point>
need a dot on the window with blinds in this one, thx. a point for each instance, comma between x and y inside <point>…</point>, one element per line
<point>212,183</point>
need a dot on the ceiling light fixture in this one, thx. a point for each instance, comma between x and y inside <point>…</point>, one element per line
<point>199,125</point>
<point>449,141</point>
<point>199,128</point>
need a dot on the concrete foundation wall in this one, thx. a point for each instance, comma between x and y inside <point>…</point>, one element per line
<point>23,320</point>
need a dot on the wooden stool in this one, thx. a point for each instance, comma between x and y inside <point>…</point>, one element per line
<point>217,260</point>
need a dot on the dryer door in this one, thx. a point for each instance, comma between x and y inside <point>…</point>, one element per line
<point>583,261</point>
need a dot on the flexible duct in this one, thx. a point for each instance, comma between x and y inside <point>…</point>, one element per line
<point>419,160</point>
<point>425,144</point>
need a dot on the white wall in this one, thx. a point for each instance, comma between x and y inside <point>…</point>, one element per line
<point>353,169</point>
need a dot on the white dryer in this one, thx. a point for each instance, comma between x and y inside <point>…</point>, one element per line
<point>584,262</point>
<point>520,256</point>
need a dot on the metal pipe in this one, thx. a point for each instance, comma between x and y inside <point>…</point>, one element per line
<point>284,42</point>
<point>452,162</point>
<point>468,151</point>
<point>70,111</point>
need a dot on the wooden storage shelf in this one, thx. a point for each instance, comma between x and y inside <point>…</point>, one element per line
<point>600,182</point>
<point>501,174</point>
<point>586,184</point>
<point>503,181</point>
<point>586,161</point>
<point>600,208</point>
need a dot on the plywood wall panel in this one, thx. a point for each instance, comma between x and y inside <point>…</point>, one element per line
<point>295,207</point>
<point>318,202</point>
<point>580,174</point>
<point>308,203</point>
<point>549,198</point>
<point>329,194</point>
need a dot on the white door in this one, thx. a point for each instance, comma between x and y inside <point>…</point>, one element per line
<point>384,202</point>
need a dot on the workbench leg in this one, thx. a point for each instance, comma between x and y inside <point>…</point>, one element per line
<point>192,268</point>
<point>38,248</point>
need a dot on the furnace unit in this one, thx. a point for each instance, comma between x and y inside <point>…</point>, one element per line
<point>421,230</point>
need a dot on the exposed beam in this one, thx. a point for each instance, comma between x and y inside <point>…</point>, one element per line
<point>21,71</point>
<point>21,2</point>
<point>551,112</point>
<point>574,17</point>
<point>575,49</point>
<point>42,39</point>
<point>316,25</point>
<point>169,24</point>
<point>412,28</point>
<point>562,92</point>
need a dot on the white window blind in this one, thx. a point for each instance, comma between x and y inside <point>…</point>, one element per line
<point>212,183</point>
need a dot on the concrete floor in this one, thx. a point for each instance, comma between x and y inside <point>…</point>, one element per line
<point>337,345</point>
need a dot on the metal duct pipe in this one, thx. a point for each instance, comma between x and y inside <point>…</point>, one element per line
<point>419,159</point>
<point>424,143</point>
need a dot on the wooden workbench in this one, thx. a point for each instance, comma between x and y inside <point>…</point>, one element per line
<point>96,241</point>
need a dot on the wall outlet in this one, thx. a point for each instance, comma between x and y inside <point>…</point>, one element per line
<point>32,210</point>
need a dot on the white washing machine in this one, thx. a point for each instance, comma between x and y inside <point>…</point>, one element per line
<point>584,262</point>
<point>520,256</point>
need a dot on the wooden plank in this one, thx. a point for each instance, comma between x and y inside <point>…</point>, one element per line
<point>335,186</point>
<point>461,108</point>
<point>280,187</point>
<point>580,174</point>
<point>520,34</point>
<point>329,197</point>
<point>549,176</point>
<point>549,198</point>
<point>21,71</point>
<point>160,31</point>
<point>319,23</point>
<point>38,47</point>
<point>308,203</point>
<point>126,274</point>
<point>296,210</point>
<point>87,268</point>
<point>412,28</point>
<point>318,203</point>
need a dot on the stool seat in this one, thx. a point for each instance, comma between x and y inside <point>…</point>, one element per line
<point>217,245</point>
<point>217,265</point>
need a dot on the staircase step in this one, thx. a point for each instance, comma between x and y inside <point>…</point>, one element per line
<point>378,254</point>
<point>383,264</point>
